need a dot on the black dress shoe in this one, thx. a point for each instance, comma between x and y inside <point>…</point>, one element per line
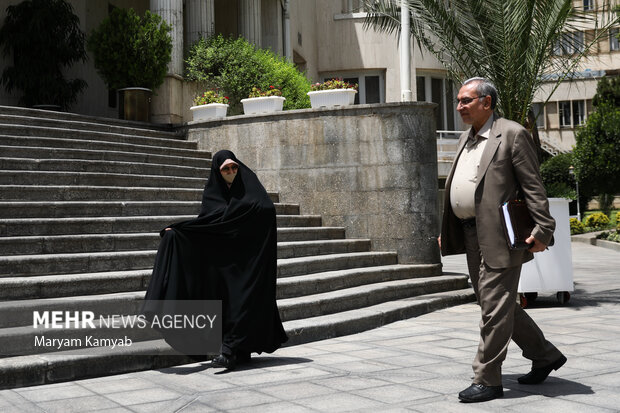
<point>539,374</point>
<point>225,360</point>
<point>480,393</point>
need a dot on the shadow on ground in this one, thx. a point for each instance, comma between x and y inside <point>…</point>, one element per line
<point>579,298</point>
<point>257,362</point>
<point>552,387</point>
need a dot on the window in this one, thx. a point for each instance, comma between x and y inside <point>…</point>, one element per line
<point>442,92</point>
<point>588,5</point>
<point>539,114</point>
<point>420,86</point>
<point>353,6</point>
<point>613,39</point>
<point>371,85</point>
<point>437,96</point>
<point>570,43</point>
<point>564,113</point>
<point>353,9</point>
<point>579,112</point>
<point>572,113</point>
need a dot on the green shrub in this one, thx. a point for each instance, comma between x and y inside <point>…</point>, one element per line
<point>556,177</point>
<point>236,66</point>
<point>560,190</point>
<point>597,221</point>
<point>576,226</point>
<point>131,51</point>
<point>609,236</point>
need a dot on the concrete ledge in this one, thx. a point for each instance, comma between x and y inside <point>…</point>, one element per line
<point>611,245</point>
<point>369,168</point>
<point>590,238</point>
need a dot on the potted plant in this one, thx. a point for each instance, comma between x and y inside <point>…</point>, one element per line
<point>263,101</point>
<point>333,92</point>
<point>209,105</point>
<point>44,38</point>
<point>132,55</point>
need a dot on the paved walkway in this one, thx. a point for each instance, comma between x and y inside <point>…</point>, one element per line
<point>416,365</point>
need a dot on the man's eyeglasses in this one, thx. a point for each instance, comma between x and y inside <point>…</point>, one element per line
<point>467,101</point>
<point>229,168</point>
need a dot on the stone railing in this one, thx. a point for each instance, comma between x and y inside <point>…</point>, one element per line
<point>369,168</point>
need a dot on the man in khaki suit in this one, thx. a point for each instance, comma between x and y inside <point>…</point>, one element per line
<point>496,162</point>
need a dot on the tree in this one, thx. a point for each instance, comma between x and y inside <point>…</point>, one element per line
<point>131,51</point>
<point>510,42</point>
<point>44,38</point>
<point>597,153</point>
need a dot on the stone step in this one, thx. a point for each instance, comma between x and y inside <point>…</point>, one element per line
<point>65,285</point>
<point>97,179</point>
<point>96,145</point>
<point>34,116</point>
<point>24,227</point>
<point>66,366</point>
<point>79,165</point>
<point>65,209</point>
<point>92,193</point>
<point>290,267</point>
<point>310,233</point>
<point>323,282</point>
<point>75,263</point>
<point>54,193</point>
<point>364,296</point>
<point>19,313</point>
<point>69,244</point>
<point>88,125</point>
<point>355,321</point>
<point>50,368</point>
<point>92,135</point>
<point>17,339</point>
<point>94,155</point>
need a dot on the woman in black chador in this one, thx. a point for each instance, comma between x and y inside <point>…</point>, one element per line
<point>227,253</point>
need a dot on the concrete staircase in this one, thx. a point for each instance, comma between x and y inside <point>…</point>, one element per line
<point>82,200</point>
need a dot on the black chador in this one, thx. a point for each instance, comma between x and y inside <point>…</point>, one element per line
<point>228,253</point>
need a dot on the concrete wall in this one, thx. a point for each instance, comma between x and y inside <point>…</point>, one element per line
<point>369,168</point>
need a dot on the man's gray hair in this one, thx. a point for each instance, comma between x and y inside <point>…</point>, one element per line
<point>484,87</point>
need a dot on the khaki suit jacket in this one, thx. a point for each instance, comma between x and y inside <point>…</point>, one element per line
<point>508,170</point>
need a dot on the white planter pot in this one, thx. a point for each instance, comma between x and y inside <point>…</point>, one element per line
<point>210,111</point>
<point>265,104</point>
<point>333,97</point>
<point>551,270</point>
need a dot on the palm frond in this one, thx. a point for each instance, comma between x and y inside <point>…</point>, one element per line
<point>510,42</point>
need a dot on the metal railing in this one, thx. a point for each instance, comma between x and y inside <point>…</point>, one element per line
<point>447,141</point>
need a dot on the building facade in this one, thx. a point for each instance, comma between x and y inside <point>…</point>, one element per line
<point>325,39</point>
<point>561,112</point>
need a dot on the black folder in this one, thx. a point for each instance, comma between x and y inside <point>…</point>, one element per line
<point>518,224</point>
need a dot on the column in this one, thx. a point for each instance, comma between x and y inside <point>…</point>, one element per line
<point>250,21</point>
<point>405,53</point>
<point>172,12</point>
<point>288,50</point>
<point>200,19</point>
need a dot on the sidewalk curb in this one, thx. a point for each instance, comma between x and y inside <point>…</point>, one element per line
<point>590,238</point>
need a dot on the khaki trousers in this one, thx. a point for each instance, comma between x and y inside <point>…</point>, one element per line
<point>503,318</point>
